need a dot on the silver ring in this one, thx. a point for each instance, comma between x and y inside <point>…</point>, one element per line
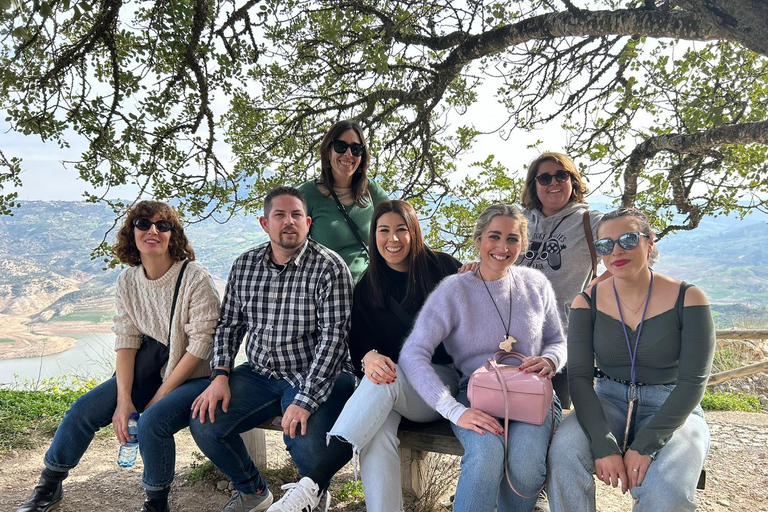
<point>296,421</point>
<point>383,367</point>
<point>636,470</point>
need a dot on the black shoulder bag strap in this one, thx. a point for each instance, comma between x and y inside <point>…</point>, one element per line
<point>175,298</point>
<point>352,225</point>
<point>590,243</point>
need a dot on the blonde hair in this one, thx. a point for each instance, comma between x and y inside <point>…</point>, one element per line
<point>502,210</point>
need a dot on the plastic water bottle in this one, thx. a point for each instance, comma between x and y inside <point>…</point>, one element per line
<point>127,456</point>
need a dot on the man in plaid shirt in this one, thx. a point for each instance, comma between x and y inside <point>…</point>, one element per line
<point>291,299</point>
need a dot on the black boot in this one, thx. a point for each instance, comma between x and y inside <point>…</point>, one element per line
<point>45,497</point>
<point>155,506</point>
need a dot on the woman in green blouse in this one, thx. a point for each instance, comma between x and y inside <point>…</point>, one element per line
<point>653,339</point>
<point>341,200</point>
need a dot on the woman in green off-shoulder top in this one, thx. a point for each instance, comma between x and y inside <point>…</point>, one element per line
<point>641,425</point>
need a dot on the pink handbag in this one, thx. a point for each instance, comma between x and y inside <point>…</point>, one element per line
<point>503,391</point>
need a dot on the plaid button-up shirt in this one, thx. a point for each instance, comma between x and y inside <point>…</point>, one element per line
<point>296,319</point>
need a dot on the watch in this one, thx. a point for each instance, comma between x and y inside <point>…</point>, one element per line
<point>218,371</point>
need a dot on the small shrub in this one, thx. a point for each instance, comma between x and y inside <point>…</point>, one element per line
<point>439,475</point>
<point>351,492</point>
<point>720,401</point>
<point>202,469</point>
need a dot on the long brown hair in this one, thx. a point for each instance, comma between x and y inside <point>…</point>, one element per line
<point>421,280</point>
<point>125,249</point>
<point>360,191</point>
<point>530,198</point>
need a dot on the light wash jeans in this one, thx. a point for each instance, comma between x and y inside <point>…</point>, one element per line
<point>255,399</point>
<point>369,423</point>
<point>482,483</point>
<point>670,482</point>
<point>157,425</point>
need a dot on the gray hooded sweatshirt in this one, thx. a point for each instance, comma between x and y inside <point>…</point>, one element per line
<point>558,247</point>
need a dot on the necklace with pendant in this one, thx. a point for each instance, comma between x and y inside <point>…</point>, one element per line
<point>506,344</point>
<point>633,310</point>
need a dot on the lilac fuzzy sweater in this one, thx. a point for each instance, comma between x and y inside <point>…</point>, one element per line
<point>460,314</point>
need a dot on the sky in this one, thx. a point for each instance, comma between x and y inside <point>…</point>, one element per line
<point>49,176</point>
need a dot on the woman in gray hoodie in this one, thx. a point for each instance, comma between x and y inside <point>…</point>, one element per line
<point>560,225</point>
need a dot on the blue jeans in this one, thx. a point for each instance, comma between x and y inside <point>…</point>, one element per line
<point>157,425</point>
<point>669,484</point>
<point>482,483</point>
<point>256,399</point>
<point>369,422</point>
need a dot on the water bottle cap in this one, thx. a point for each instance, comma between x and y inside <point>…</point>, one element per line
<point>134,416</point>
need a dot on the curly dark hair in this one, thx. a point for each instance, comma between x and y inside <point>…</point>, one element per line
<point>360,191</point>
<point>530,199</point>
<point>125,249</point>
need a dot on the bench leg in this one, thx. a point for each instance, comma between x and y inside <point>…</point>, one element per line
<point>411,471</point>
<point>256,444</point>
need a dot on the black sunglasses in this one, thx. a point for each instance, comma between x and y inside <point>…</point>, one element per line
<point>560,176</point>
<point>341,146</point>
<point>627,241</point>
<point>144,224</point>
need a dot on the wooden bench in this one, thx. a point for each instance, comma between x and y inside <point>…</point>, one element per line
<point>417,442</point>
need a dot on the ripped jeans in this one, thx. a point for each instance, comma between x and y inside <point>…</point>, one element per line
<point>369,423</point>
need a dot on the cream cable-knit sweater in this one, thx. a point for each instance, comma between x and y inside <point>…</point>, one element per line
<point>144,307</point>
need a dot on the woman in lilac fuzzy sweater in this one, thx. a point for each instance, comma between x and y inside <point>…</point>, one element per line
<point>472,314</point>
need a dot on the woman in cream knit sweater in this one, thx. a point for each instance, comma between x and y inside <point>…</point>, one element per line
<point>153,243</point>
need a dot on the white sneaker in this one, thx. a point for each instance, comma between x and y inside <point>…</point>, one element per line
<point>299,497</point>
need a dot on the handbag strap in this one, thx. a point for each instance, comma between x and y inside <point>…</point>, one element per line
<point>590,243</point>
<point>175,297</point>
<point>503,384</point>
<point>352,225</point>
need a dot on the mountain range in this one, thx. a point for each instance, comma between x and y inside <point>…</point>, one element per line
<point>46,272</point>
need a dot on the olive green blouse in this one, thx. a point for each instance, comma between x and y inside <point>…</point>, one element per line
<point>667,353</point>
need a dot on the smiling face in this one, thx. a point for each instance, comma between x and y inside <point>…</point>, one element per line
<point>286,223</point>
<point>622,262</point>
<point>393,240</point>
<point>152,243</point>
<point>499,246</point>
<point>555,196</point>
<point>344,165</point>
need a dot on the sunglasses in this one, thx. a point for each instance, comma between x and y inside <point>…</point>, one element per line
<point>560,176</point>
<point>627,241</point>
<point>341,146</point>
<point>144,224</point>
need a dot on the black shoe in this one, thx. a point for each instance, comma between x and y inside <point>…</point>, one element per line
<point>153,506</point>
<point>45,497</point>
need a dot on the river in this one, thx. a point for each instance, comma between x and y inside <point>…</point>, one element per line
<point>93,356</point>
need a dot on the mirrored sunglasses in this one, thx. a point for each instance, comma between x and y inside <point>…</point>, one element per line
<point>144,224</point>
<point>560,176</point>
<point>341,146</point>
<point>627,241</point>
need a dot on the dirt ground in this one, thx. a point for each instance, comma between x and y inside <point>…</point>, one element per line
<point>737,475</point>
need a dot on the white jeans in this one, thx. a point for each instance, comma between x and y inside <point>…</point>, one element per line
<point>369,423</point>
